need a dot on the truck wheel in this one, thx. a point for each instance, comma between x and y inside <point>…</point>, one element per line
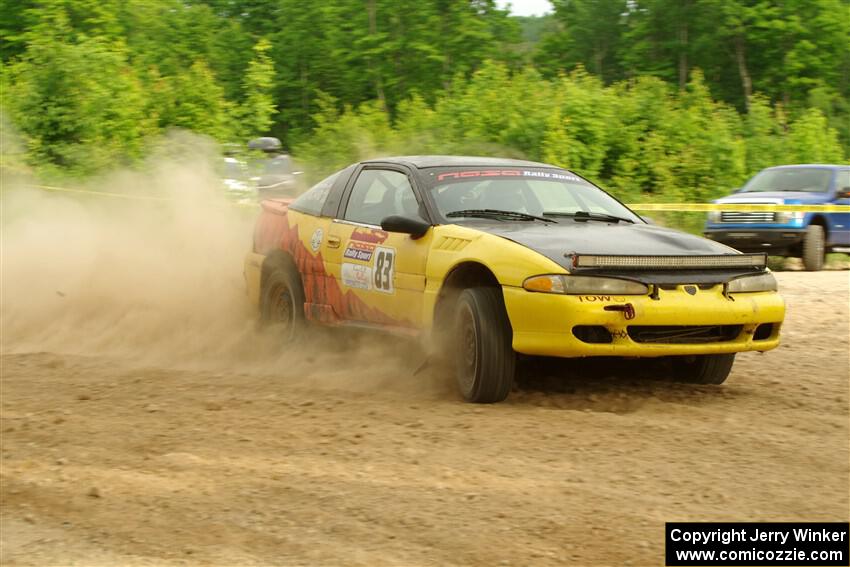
<point>813,248</point>
<point>702,368</point>
<point>282,305</point>
<point>485,361</point>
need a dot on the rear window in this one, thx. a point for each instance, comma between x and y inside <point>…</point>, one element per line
<point>313,200</point>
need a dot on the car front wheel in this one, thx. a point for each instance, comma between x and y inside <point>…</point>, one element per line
<point>703,368</point>
<point>485,362</point>
<point>813,248</point>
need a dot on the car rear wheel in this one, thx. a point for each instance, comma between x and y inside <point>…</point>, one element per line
<point>283,305</point>
<point>703,368</point>
<point>813,248</point>
<point>485,362</point>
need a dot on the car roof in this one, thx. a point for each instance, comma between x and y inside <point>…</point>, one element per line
<point>422,162</point>
<point>819,165</point>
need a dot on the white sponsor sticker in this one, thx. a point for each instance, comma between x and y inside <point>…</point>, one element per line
<point>316,241</point>
<point>357,276</point>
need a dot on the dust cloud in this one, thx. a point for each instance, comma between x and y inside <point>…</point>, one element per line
<point>159,281</point>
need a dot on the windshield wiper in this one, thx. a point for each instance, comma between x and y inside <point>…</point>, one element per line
<point>496,214</point>
<point>584,216</point>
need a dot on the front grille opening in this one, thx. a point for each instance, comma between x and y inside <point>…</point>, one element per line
<point>684,334</point>
<point>763,332</point>
<point>749,217</point>
<point>594,334</point>
<point>673,287</point>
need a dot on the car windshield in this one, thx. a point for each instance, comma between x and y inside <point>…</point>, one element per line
<point>460,192</point>
<point>812,180</point>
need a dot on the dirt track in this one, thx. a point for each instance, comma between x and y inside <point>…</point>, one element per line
<point>343,458</point>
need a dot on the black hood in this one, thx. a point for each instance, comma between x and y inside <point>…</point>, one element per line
<point>559,241</point>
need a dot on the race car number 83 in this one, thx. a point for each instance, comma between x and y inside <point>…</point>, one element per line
<point>384,269</point>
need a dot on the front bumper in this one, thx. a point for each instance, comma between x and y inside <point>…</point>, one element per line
<point>544,324</point>
<point>757,239</point>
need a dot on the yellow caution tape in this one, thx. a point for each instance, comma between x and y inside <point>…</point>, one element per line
<point>681,207</point>
<point>122,195</point>
<point>743,207</point>
<point>103,194</point>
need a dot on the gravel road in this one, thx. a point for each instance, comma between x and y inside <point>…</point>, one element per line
<point>149,450</point>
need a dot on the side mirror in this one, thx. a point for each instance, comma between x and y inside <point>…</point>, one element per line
<point>416,228</point>
<point>843,193</point>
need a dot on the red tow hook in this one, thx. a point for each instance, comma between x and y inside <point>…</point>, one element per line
<point>627,308</point>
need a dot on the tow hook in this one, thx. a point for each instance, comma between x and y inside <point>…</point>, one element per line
<point>627,308</point>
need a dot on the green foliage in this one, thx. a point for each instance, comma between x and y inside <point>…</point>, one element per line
<point>192,100</point>
<point>794,51</point>
<point>79,106</point>
<point>811,140</point>
<point>672,100</point>
<point>254,114</point>
<point>642,139</point>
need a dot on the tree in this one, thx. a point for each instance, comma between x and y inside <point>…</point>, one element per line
<point>191,100</point>
<point>590,33</point>
<point>255,111</point>
<point>79,106</point>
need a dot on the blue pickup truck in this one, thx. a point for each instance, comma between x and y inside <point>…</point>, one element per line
<point>803,235</point>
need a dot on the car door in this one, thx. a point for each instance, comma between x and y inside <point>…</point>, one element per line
<point>381,274</point>
<point>841,221</point>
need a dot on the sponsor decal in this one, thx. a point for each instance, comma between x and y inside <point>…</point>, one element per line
<point>373,235</point>
<point>337,301</point>
<point>316,240</point>
<point>384,269</point>
<point>359,251</point>
<point>594,298</point>
<point>482,173</point>
<point>461,175</point>
<point>552,175</point>
<point>357,276</point>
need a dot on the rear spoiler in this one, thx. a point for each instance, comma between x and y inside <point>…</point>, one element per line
<point>276,206</point>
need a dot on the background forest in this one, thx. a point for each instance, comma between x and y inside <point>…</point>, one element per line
<point>676,99</point>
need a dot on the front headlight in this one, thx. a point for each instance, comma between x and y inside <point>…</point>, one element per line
<point>786,217</point>
<point>749,284</point>
<point>583,285</point>
<point>714,216</point>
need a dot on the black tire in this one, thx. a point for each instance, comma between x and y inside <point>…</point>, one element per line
<point>703,368</point>
<point>282,305</point>
<point>485,362</point>
<point>813,248</point>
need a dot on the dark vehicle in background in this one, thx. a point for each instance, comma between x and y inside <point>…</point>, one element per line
<point>806,235</point>
<point>278,176</point>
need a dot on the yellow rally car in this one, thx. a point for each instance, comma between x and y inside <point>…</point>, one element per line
<point>485,259</point>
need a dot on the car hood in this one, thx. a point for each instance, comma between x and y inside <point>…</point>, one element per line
<point>559,241</point>
<point>776,197</point>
